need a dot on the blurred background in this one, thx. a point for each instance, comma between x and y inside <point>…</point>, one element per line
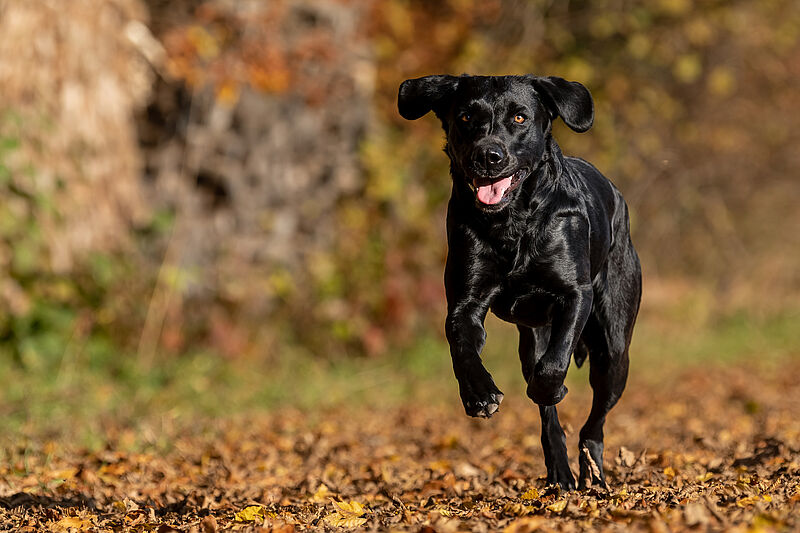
<point>212,204</point>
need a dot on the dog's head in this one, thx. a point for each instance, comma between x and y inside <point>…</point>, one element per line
<point>496,126</point>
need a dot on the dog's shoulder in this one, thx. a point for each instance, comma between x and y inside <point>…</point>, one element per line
<point>594,187</point>
<point>584,169</point>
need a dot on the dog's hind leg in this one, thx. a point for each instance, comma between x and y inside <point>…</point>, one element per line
<point>607,374</point>
<point>607,336</point>
<point>554,442</point>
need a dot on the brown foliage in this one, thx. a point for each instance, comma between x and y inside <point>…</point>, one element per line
<point>712,448</point>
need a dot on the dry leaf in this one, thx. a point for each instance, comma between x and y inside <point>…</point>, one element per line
<point>253,513</point>
<point>752,500</point>
<point>558,506</point>
<point>702,478</point>
<point>322,494</point>
<point>626,457</point>
<point>338,520</point>
<point>525,525</point>
<point>695,514</point>
<point>347,514</point>
<point>517,509</point>
<point>209,524</point>
<point>350,509</point>
<point>71,523</point>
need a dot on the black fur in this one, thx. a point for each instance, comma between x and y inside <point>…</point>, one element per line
<point>553,256</point>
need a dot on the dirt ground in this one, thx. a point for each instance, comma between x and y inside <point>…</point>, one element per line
<point>714,448</point>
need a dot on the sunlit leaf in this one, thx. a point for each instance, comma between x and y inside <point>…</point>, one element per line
<point>322,493</point>
<point>752,500</point>
<point>347,514</point>
<point>353,508</point>
<point>335,519</point>
<point>71,523</point>
<point>517,509</point>
<point>525,525</point>
<point>558,506</point>
<point>251,513</point>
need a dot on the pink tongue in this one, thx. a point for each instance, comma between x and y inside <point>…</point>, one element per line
<point>493,192</point>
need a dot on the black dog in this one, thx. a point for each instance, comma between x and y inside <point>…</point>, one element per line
<point>540,239</point>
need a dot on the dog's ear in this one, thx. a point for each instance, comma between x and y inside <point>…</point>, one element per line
<point>568,99</point>
<point>429,93</point>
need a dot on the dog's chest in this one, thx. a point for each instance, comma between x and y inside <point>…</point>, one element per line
<point>522,303</point>
<point>523,297</point>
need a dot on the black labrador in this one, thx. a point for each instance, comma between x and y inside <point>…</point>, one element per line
<point>542,240</point>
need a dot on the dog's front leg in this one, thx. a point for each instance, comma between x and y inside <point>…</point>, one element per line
<point>470,291</point>
<point>466,335</point>
<point>546,384</point>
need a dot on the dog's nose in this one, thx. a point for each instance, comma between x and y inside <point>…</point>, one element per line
<point>494,155</point>
<point>491,156</point>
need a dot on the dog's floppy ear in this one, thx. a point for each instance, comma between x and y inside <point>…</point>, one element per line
<point>418,96</point>
<point>568,99</point>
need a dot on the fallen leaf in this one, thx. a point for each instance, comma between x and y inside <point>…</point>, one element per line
<point>251,513</point>
<point>517,509</point>
<point>337,520</point>
<point>625,457</point>
<point>595,469</point>
<point>525,525</point>
<point>64,474</point>
<point>704,477</point>
<point>347,514</point>
<point>72,523</point>
<point>747,501</point>
<point>209,524</point>
<point>350,509</point>
<point>695,514</point>
<point>558,506</point>
<point>322,493</point>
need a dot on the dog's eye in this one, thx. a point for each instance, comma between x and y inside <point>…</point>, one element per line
<point>465,117</point>
<point>519,119</point>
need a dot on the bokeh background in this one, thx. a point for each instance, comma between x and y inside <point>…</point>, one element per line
<point>213,205</point>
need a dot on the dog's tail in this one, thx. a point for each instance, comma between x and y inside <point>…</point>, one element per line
<point>581,353</point>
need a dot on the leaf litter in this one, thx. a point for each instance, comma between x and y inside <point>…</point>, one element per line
<point>687,453</point>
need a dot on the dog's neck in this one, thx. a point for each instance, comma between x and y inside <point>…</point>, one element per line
<point>551,165</point>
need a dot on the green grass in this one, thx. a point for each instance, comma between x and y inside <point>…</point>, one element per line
<point>83,396</point>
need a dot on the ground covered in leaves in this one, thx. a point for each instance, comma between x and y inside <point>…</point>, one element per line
<point>714,448</point>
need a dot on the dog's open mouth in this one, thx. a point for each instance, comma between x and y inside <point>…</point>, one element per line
<point>494,191</point>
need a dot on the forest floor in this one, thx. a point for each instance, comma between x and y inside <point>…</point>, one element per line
<point>711,447</point>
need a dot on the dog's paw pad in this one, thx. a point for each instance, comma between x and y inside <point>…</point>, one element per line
<point>479,395</point>
<point>485,409</point>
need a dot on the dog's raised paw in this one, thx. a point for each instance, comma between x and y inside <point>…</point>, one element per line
<point>479,394</point>
<point>485,409</point>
